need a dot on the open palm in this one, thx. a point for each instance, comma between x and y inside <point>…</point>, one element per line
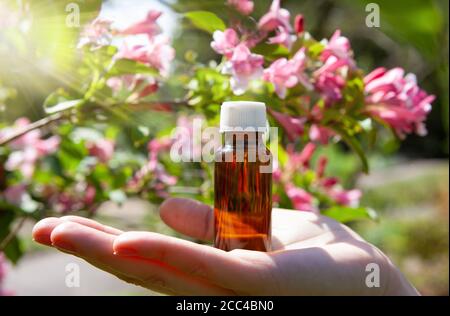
<point>312,255</point>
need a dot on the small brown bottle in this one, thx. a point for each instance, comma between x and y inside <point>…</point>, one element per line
<point>243,179</point>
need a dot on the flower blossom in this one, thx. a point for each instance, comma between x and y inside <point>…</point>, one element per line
<point>330,85</point>
<point>15,194</point>
<point>147,26</point>
<point>397,100</point>
<point>299,24</point>
<point>156,53</point>
<point>243,6</point>
<point>98,33</point>
<point>320,134</point>
<point>301,200</point>
<point>244,67</point>
<point>3,292</point>
<point>283,37</point>
<point>337,57</point>
<point>346,198</point>
<point>276,17</point>
<point>154,170</point>
<point>286,74</point>
<point>102,149</point>
<point>225,42</point>
<point>142,85</point>
<point>337,53</point>
<point>80,196</point>
<point>28,148</point>
<point>293,126</point>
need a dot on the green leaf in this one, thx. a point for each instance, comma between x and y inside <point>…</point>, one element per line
<point>206,21</point>
<point>270,50</point>
<point>65,105</point>
<point>346,214</point>
<point>129,67</point>
<point>353,143</point>
<point>14,250</point>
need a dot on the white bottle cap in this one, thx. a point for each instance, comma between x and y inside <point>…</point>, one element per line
<point>242,115</point>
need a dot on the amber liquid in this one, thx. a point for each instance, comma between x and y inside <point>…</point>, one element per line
<point>243,199</point>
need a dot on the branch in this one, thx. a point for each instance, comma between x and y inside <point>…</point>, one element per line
<point>35,125</point>
<point>166,106</point>
<point>12,234</point>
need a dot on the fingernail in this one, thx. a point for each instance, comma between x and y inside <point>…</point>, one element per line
<point>126,252</point>
<point>63,245</point>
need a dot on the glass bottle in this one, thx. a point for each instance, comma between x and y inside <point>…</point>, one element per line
<point>243,180</point>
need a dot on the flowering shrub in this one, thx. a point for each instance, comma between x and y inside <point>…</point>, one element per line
<point>106,133</point>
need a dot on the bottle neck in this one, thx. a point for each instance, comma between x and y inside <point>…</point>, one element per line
<point>244,139</point>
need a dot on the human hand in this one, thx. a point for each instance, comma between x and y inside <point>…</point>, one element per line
<point>312,255</point>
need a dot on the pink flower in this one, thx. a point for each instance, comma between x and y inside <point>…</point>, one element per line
<point>28,148</point>
<point>244,67</point>
<point>15,194</point>
<point>320,134</point>
<point>103,149</point>
<point>293,126</point>
<point>338,47</point>
<point>154,170</point>
<point>2,267</point>
<point>243,6</point>
<point>276,17</point>
<point>156,53</point>
<point>286,74</point>
<point>301,200</point>
<point>299,24</point>
<point>160,54</point>
<point>305,155</point>
<point>329,182</point>
<point>98,32</point>
<point>299,160</point>
<point>347,198</point>
<point>397,100</point>
<point>136,52</point>
<point>330,85</point>
<point>337,57</point>
<point>282,37</point>
<point>142,85</point>
<point>159,144</point>
<point>225,42</point>
<point>277,173</point>
<point>89,196</point>
<point>3,292</point>
<point>146,26</point>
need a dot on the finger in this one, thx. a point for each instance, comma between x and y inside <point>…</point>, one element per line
<point>226,269</point>
<point>97,248</point>
<point>289,226</point>
<point>43,228</point>
<point>93,224</point>
<point>188,217</point>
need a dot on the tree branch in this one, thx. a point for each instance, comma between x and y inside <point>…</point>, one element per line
<point>12,234</point>
<point>28,128</point>
<point>166,106</point>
